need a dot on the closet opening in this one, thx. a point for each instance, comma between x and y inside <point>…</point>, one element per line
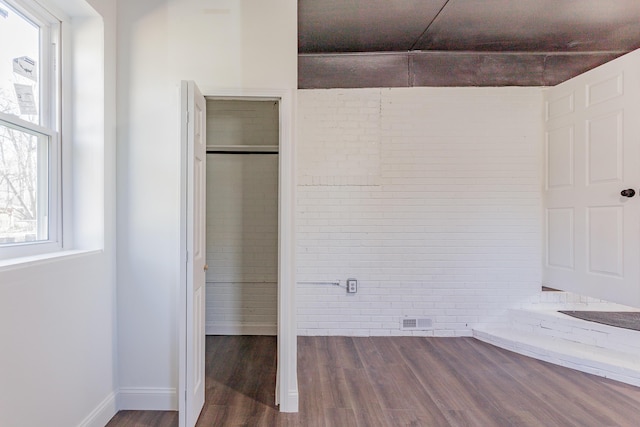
<point>242,238</point>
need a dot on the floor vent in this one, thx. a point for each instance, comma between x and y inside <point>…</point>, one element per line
<point>415,324</point>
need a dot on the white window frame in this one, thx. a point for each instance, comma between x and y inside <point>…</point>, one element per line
<point>50,124</point>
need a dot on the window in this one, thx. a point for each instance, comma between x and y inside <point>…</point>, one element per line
<point>29,130</point>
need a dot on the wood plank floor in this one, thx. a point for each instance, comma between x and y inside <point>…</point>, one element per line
<point>400,381</point>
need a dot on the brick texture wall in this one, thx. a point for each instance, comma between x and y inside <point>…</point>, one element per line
<point>430,197</point>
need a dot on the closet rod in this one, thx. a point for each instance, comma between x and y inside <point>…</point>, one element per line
<point>242,149</point>
<point>240,152</point>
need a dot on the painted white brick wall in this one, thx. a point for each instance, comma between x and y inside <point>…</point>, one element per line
<point>342,140</point>
<point>447,223</point>
<point>242,221</point>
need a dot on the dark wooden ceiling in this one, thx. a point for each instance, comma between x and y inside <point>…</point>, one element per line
<point>404,43</point>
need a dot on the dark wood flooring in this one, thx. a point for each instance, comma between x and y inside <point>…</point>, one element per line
<point>400,381</point>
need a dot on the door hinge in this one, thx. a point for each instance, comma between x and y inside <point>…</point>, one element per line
<point>187,256</point>
<point>187,116</point>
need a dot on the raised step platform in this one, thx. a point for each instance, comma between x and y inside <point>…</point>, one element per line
<point>590,347</point>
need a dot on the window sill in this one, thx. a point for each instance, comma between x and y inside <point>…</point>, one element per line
<point>29,261</point>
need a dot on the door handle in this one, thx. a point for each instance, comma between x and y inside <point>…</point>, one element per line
<point>206,266</point>
<point>630,192</point>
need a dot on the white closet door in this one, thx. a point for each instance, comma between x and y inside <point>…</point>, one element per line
<point>196,251</point>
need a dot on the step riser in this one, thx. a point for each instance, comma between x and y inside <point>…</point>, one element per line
<point>538,330</point>
<point>559,326</point>
<point>584,364</point>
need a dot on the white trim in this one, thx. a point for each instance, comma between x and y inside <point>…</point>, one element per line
<point>287,382</point>
<point>49,168</point>
<point>242,97</point>
<point>101,415</point>
<point>30,261</point>
<point>50,62</point>
<point>237,328</point>
<point>291,401</point>
<point>48,20</point>
<point>147,399</point>
<point>19,124</point>
<point>182,255</point>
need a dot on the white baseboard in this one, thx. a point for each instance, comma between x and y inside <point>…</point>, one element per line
<point>291,405</point>
<point>101,415</point>
<point>147,399</point>
<point>234,328</point>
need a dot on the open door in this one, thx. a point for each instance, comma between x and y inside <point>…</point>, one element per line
<point>192,340</point>
<point>592,199</point>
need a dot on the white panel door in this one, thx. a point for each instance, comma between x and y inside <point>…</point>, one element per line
<point>196,253</point>
<point>592,154</point>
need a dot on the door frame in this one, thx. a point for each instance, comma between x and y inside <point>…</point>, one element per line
<point>286,380</point>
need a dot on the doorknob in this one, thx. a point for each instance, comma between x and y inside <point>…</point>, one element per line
<point>630,192</point>
<point>206,266</point>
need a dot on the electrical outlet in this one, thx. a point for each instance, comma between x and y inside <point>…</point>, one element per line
<point>352,286</point>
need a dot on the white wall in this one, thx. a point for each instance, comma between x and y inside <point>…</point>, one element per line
<point>57,325</point>
<point>221,44</point>
<point>242,244</point>
<point>430,197</point>
<point>232,122</point>
<point>242,220</point>
<point>57,314</point>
